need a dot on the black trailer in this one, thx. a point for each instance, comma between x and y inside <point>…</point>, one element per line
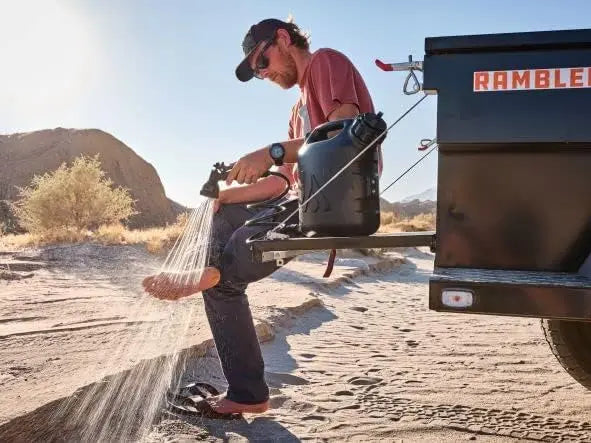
<point>513,232</point>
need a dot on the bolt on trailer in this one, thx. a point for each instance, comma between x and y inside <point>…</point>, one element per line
<point>513,216</point>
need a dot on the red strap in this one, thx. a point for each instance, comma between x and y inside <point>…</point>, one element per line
<point>330,263</point>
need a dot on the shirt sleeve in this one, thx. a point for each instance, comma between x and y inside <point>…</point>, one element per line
<point>333,78</point>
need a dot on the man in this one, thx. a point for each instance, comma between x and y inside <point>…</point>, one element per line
<point>331,89</point>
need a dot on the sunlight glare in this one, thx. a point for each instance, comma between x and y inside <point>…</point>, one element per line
<point>49,57</point>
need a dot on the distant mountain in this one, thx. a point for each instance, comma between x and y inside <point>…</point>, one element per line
<point>430,194</point>
<point>24,155</point>
<point>408,209</point>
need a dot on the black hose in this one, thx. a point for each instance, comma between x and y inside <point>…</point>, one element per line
<point>269,219</point>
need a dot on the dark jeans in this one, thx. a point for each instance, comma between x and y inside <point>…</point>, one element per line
<point>226,305</point>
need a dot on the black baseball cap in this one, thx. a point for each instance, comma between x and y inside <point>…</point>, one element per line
<point>263,30</point>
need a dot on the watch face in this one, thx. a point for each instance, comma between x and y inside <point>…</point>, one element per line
<point>276,151</point>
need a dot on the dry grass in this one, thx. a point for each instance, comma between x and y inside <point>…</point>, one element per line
<point>390,222</point>
<point>155,240</point>
<point>12,241</point>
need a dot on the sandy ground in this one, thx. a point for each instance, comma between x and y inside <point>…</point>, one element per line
<point>358,357</point>
<point>374,364</point>
<point>71,317</point>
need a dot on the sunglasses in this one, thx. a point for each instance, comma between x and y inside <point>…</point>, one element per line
<point>262,61</point>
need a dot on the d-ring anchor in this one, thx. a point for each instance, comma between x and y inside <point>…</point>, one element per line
<point>410,66</point>
<point>427,143</point>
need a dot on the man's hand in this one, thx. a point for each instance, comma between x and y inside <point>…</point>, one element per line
<point>250,167</point>
<point>221,200</point>
<point>216,205</point>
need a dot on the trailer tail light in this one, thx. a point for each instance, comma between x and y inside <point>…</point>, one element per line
<point>457,298</point>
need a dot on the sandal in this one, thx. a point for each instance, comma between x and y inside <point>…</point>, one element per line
<point>192,400</point>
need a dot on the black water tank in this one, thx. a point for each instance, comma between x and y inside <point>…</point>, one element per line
<point>350,204</point>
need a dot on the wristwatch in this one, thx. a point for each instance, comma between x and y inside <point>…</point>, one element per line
<point>277,152</point>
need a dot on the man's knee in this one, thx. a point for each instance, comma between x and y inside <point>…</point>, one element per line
<point>234,214</point>
<point>223,213</point>
<point>220,223</point>
<point>225,221</point>
<point>237,264</point>
<point>236,257</point>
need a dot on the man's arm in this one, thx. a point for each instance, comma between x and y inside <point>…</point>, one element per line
<point>250,167</point>
<point>264,189</point>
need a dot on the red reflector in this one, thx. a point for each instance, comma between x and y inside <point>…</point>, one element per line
<point>457,298</point>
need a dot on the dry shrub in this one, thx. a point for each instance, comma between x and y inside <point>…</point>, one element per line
<point>158,240</point>
<point>79,197</point>
<point>421,222</point>
<point>113,234</point>
<point>57,236</point>
<point>154,245</point>
<point>388,218</point>
<point>63,235</point>
<point>182,219</point>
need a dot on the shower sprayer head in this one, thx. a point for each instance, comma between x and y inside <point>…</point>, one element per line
<point>211,188</point>
<point>219,173</point>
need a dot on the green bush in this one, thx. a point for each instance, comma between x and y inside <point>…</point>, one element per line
<point>79,197</point>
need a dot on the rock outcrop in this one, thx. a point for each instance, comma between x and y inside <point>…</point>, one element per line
<point>25,154</point>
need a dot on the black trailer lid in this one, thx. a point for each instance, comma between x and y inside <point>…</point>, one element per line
<point>515,41</point>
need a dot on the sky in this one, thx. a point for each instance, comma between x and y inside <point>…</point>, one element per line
<point>159,74</point>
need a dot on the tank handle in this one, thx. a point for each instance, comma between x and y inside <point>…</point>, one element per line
<point>321,132</point>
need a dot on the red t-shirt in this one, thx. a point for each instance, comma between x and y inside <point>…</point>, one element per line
<point>330,80</point>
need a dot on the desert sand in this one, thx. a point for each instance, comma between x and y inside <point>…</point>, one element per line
<point>356,357</point>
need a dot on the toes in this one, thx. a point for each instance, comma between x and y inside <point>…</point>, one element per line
<point>147,281</point>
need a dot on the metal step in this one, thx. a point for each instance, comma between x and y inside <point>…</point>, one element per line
<point>559,295</point>
<point>269,250</point>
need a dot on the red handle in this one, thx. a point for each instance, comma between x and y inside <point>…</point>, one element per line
<point>384,66</point>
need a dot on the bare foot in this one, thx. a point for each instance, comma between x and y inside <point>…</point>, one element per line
<point>170,286</point>
<point>222,405</point>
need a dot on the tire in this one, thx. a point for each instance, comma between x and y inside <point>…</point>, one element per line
<point>570,342</point>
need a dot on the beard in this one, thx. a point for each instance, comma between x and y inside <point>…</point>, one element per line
<point>288,76</point>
